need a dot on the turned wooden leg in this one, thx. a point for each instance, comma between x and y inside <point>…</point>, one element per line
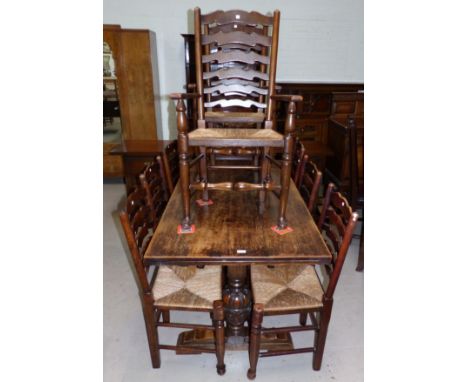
<point>218,323</point>
<point>184,163</point>
<point>255,335</point>
<point>151,331</point>
<point>303,319</point>
<point>204,172</point>
<point>166,316</point>
<point>264,173</point>
<point>321,335</point>
<point>237,303</point>
<point>289,142</point>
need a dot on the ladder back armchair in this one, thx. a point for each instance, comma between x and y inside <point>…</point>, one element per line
<point>236,60</point>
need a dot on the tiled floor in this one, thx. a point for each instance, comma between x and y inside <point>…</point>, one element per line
<point>126,355</point>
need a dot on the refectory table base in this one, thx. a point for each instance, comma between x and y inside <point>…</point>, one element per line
<point>204,339</point>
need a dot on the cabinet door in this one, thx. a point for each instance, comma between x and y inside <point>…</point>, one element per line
<point>136,85</point>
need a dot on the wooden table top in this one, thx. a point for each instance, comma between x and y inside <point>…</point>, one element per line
<point>233,231</point>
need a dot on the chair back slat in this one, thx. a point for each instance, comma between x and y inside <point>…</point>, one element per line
<point>236,16</point>
<point>135,200</point>
<point>236,26</point>
<point>229,73</point>
<point>247,57</point>
<point>337,223</point>
<point>241,38</point>
<point>235,102</point>
<point>309,183</point>
<point>243,89</point>
<point>235,81</point>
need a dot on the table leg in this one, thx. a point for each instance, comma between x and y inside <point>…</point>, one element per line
<point>237,304</point>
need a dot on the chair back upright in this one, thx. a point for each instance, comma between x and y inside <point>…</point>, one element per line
<point>235,61</point>
<point>171,165</point>
<point>297,162</point>
<point>337,223</point>
<point>137,226</point>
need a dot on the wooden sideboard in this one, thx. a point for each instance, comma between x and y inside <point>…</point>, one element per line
<point>136,154</point>
<point>134,53</point>
<point>337,167</point>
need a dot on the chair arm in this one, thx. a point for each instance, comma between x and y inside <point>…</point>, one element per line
<point>180,96</point>
<point>287,98</point>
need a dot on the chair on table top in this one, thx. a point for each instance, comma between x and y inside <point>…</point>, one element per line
<point>296,288</point>
<point>167,288</point>
<point>309,181</point>
<point>235,74</point>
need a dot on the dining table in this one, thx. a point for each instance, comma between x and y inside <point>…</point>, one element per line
<point>236,231</point>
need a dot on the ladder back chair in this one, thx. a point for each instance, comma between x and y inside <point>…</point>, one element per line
<point>154,182</point>
<point>296,288</point>
<point>310,179</point>
<point>167,288</point>
<point>235,68</point>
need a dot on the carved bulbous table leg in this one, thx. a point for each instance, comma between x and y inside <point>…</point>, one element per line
<point>237,304</point>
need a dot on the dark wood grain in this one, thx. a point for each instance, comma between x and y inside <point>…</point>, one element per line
<point>234,224</point>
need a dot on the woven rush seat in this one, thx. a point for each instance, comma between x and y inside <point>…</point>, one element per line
<point>233,117</point>
<point>187,287</point>
<point>235,137</point>
<point>286,287</point>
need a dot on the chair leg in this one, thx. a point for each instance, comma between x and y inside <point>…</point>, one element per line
<point>218,323</point>
<point>289,142</point>
<point>303,319</point>
<point>204,172</point>
<point>360,264</point>
<point>166,316</point>
<point>151,331</point>
<point>255,335</point>
<point>184,163</point>
<point>321,336</point>
<point>263,173</point>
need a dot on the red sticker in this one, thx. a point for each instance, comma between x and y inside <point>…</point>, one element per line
<point>202,202</point>
<point>180,231</point>
<point>281,231</point>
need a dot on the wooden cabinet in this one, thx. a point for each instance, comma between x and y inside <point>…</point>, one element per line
<point>134,52</point>
<point>315,109</point>
<point>313,114</point>
<point>338,166</point>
